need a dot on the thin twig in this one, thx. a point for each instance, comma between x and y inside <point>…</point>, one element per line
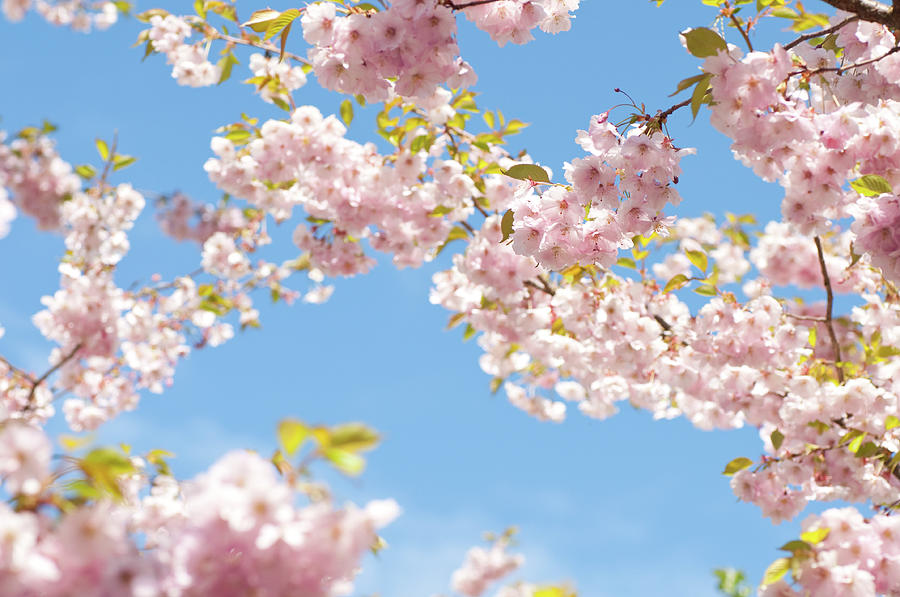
<point>829,321</point>
<point>547,287</point>
<point>50,372</point>
<point>737,24</point>
<point>816,34</point>
<point>15,369</point>
<point>101,184</point>
<point>531,284</point>
<point>806,318</point>
<point>261,45</point>
<point>839,69</point>
<point>668,112</point>
<point>464,5</point>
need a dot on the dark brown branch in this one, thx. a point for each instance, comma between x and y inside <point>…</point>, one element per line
<point>840,69</point>
<point>829,320</point>
<point>816,34</point>
<point>531,284</point>
<point>868,10</point>
<point>669,111</point>
<point>464,5</point>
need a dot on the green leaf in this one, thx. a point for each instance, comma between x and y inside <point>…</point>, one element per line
<point>506,225</point>
<point>867,449</point>
<point>699,96</point>
<point>291,435</point>
<point>856,443</point>
<point>795,546</point>
<point>455,320</point>
<point>626,262</point>
<point>738,464</point>
<point>685,83</point>
<point>819,426</point>
<point>104,466</point>
<point>698,258</point>
<point>71,443</point>
<point>354,437</point>
<point>706,290</point>
<point>528,172</point>
<point>440,210</point>
<point>280,22</point>
<point>347,111</point>
<point>488,119</point>
<point>784,12</point>
<point>85,171</point>
<point>777,438</point>
<point>238,136</point>
<point>890,422</point>
<point>871,185</point>
<point>816,536</point>
<point>225,65</point>
<point>122,161</point>
<point>469,332</point>
<point>261,19</point>
<point>703,42</point>
<point>677,281</point>
<point>346,462</point>
<point>420,143</point>
<point>776,571</point>
<point>102,149</point>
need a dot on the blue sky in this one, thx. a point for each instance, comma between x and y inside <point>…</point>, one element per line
<point>626,506</point>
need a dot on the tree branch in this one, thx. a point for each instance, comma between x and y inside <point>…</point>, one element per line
<point>463,5</point>
<point>16,370</point>
<point>50,372</point>
<point>840,69</point>
<point>829,320</point>
<point>869,10</point>
<point>822,32</point>
<point>737,24</point>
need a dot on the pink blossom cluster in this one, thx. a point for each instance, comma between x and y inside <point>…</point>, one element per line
<point>514,20</point>
<point>7,211</point>
<point>183,219</point>
<point>275,79</point>
<point>857,557</point>
<point>786,257</point>
<point>877,228</point>
<point>591,222</point>
<point>234,530</point>
<point>817,133</point>
<point>702,234</point>
<point>412,41</point>
<point>599,342</point>
<point>39,180</point>
<point>350,191</point>
<point>483,567</point>
<point>80,15</point>
<point>190,65</point>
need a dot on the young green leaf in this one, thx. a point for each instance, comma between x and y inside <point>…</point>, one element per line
<point>528,172</point>
<point>703,42</point>
<point>738,464</point>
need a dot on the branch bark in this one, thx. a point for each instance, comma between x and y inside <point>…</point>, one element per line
<point>829,320</point>
<point>870,10</point>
